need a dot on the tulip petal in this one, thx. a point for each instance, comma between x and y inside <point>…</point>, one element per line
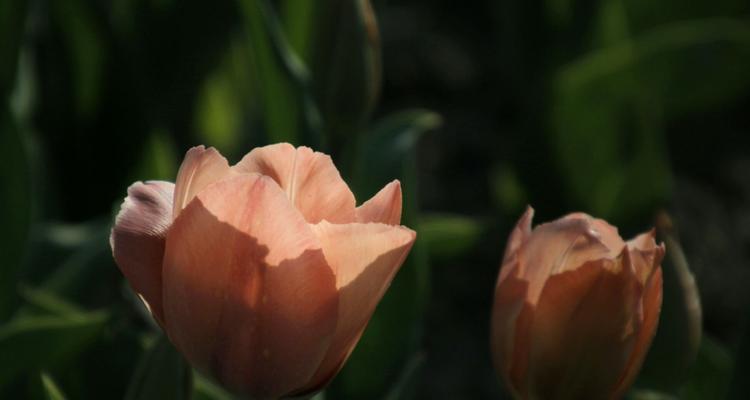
<point>520,234</point>
<point>604,232</point>
<point>575,353</point>
<point>365,257</point>
<point>248,294</point>
<point>276,161</point>
<point>137,239</point>
<point>200,168</point>
<point>645,241</point>
<point>651,309</point>
<point>521,347</point>
<point>559,246</point>
<point>311,181</point>
<point>384,207</point>
<point>511,316</point>
<point>645,254</point>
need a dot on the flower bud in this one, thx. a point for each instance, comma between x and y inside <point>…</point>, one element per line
<point>263,274</point>
<point>575,308</point>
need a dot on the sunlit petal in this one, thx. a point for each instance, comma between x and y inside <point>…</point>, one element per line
<point>200,168</point>
<point>248,294</point>
<point>365,257</point>
<point>310,180</point>
<point>384,207</point>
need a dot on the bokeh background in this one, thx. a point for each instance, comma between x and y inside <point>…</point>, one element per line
<point>636,111</point>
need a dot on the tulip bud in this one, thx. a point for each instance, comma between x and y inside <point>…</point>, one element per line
<point>263,274</point>
<point>575,308</point>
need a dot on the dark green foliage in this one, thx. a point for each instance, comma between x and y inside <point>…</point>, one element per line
<point>611,107</point>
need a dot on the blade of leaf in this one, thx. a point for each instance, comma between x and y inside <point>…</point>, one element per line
<point>299,20</point>
<point>33,342</point>
<point>404,387</point>
<point>46,302</point>
<point>290,113</point>
<point>643,394</point>
<point>83,265</point>
<point>83,40</point>
<point>51,390</point>
<point>319,396</point>
<point>15,211</point>
<point>621,97</point>
<point>12,21</point>
<point>655,54</point>
<point>712,373</point>
<point>508,191</point>
<point>161,374</point>
<point>227,95</point>
<point>205,389</point>
<point>610,112</point>
<point>346,65</point>
<point>387,148</point>
<point>448,235</point>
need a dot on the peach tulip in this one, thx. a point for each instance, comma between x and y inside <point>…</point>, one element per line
<point>575,308</point>
<point>263,274</point>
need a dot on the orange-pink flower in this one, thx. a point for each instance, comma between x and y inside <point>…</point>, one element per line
<point>575,308</point>
<point>263,274</point>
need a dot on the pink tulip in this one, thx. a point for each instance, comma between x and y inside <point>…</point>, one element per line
<point>575,308</point>
<point>263,274</point>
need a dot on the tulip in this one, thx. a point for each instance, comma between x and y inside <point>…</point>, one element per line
<point>263,274</point>
<point>575,308</point>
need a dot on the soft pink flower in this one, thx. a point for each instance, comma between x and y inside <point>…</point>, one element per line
<point>263,274</point>
<point>575,308</point>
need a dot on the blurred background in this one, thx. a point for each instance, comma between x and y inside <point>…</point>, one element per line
<point>635,111</point>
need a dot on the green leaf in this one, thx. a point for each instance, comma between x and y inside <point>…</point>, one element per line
<point>87,265</point>
<point>507,190</point>
<point>224,101</point>
<point>645,394</point>
<point>12,22</point>
<point>389,148</point>
<point>319,396</point>
<point>51,390</point>
<point>15,208</point>
<point>32,342</point>
<point>559,12</point>
<point>299,17</point>
<point>41,301</point>
<point>711,375</point>
<point>346,64</point>
<point>283,81</point>
<point>686,65</point>
<point>159,159</point>
<point>448,235</point>
<point>611,107</point>
<point>644,15</point>
<point>161,374</point>
<point>82,38</point>
<point>219,114</point>
<point>405,386</point>
<point>205,389</point>
<point>612,23</point>
<point>740,385</point>
<point>608,136</point>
